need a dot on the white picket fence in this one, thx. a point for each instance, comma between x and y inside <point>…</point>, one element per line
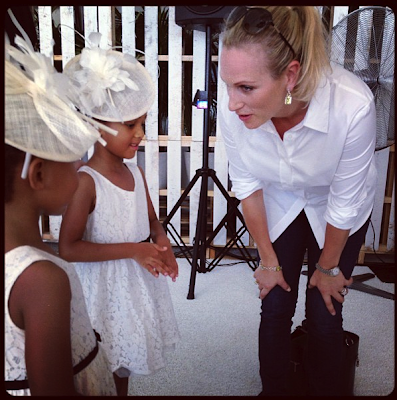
<point>101,19</point>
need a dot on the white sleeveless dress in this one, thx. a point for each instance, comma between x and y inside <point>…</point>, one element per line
<point>130,307</point>
<point>96,379</point>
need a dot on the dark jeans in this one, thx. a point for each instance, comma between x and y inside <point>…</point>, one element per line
<point>325,332</point>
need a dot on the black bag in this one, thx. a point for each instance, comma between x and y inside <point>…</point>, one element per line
<point>297,379</point>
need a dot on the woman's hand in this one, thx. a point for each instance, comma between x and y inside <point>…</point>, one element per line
<point>329,286</point>
<point>267,280</point>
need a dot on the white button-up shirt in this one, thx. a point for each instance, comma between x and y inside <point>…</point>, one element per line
<point>325,165</point>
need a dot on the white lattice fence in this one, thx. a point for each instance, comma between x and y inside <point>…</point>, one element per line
<point>102,19</point>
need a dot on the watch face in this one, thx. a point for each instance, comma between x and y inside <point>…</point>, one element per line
<point>334,271</point>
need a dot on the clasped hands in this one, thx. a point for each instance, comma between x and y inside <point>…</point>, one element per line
<point>157,259</point>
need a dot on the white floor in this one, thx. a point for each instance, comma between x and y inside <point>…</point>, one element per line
<point>217,355</point>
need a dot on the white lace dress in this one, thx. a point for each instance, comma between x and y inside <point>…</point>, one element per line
<point>96,379</point>
<point>130,307</point>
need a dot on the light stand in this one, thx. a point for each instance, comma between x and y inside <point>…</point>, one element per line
<point>201,242</point>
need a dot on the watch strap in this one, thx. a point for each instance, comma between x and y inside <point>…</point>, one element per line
<point>329,272</point>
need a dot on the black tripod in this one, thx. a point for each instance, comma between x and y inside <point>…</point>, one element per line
<point>201,242</point>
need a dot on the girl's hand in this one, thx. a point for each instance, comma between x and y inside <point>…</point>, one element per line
<point>267,280</point>
<point>170,260</point>
<point>150,256</point>
<point>329,286</point>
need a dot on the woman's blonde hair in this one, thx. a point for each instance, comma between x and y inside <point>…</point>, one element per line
<point>304,30</point>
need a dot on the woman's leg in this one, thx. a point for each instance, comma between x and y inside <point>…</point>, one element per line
<point>325,332</point>
<point>278,308</point>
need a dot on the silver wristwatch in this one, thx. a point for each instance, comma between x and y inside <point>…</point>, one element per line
<point>330,272</point>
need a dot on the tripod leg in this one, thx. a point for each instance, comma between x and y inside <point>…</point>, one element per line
<point>190,295</point>
<point>167,224</point>
<point>231,200</point>
<point>178,239</point>
<point>181,199</point>
<point>231,213</point>
<point>200,237</point>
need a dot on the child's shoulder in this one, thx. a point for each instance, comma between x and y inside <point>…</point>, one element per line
<point>86,170</point>
<point>87,177</point>
<point>34,274</point>
<point>19,259</point>
<point>25,254</point>
<point>89,174</point>
<point>44,274</point>
<point>40,293</point>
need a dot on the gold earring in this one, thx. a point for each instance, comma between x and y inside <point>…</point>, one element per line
<point>288,98</point>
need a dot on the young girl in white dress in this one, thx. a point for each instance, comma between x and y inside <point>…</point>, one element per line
<point>51,348</point>
<point>107,224</point>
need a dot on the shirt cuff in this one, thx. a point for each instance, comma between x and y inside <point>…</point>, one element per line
<point>244,189</point>
<point>341,218</point>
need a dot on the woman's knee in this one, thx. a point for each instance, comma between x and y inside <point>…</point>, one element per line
<point>278,307</point>
<point>319,319</point>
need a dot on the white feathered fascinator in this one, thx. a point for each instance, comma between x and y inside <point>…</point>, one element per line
<point>39,119</point>
<point>109,85</point>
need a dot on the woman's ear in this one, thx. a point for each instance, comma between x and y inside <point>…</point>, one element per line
<point>36,173</point>
<point>293,74</point>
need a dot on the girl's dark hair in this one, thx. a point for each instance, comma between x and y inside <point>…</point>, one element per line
<point>13,158</point>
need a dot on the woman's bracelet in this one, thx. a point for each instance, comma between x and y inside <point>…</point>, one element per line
<point>263,268</point>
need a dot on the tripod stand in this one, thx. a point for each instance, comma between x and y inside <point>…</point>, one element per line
<point>201,243</point>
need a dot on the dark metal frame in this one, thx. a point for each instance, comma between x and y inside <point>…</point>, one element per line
<point>201,242</point>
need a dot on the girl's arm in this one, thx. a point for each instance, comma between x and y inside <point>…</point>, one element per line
<point>73,248</point>
<point>39,304</point>
<point>159,236</point>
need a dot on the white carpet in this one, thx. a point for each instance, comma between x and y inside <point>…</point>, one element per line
<point>217,355</point>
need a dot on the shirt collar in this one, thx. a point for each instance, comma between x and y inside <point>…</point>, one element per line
<point>317,116</point>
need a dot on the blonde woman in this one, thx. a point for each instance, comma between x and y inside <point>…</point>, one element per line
<point>300,138</point>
